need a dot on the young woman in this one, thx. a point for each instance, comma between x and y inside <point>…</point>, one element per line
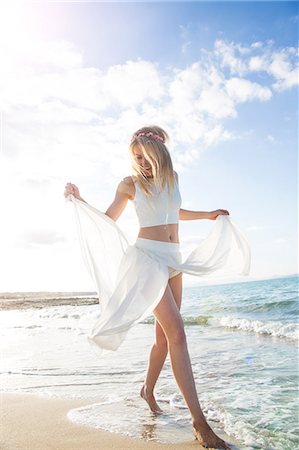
<point>135,280</point>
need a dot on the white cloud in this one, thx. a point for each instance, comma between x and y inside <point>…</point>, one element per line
<point>256,63</point>
<point>271,139</point>
<point>61,117</point>
<point>255,228</point>
<point>282,65</point>
<point>281,240</point>
<point>39,237</point>
<point>242,90</point>
<point>57,110</point>
<point>132,83</point>
<point>257,44</point>
<point>228,54</point>
<point>185,46</point>
<point>217,134</point>
<point>49,55</point>
<point>185,37</point>
<point>283,69</point>
<point>52,86</point>
<point>217,103</point>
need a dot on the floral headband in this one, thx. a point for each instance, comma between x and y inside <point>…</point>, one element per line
<point>148,134</point>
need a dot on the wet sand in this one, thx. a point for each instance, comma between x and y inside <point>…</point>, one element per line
<point>30,422</point>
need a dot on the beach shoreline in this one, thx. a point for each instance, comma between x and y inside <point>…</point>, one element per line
<point>58,394</point>
<point>34,422</point>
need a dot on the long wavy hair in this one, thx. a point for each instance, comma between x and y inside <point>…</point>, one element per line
<point>151,141</point>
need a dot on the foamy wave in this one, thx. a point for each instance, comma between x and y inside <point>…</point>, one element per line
<point>195,320</point>
<point>252,435</point>
<point>128,417</point>
<point>278,329</point>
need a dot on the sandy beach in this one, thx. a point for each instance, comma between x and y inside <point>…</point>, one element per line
<point>30,422</point>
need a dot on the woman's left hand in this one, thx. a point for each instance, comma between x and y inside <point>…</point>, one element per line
<point>218,212</point>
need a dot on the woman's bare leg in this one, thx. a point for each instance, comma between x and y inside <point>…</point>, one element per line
<point>159,351</point>
<point>169,317</point>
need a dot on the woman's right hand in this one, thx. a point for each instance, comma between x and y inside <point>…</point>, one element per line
<point>72,189</point>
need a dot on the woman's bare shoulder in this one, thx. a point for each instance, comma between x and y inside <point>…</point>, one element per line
<point>127,186</point>
<point>128,180</point>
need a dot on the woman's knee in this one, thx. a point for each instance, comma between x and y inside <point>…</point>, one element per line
<point>177,335</point>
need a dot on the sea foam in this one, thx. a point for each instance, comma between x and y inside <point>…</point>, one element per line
<point>277,329</point>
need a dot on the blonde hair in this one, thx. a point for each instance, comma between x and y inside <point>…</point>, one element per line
<point>151,140</point>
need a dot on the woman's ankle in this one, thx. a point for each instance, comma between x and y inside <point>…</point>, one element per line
<point>200,424</point>
<point>147,391</point>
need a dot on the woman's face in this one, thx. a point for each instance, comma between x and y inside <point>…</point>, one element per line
<point>142,162</point>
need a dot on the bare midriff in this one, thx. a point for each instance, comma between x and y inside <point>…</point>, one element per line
<point>163,233</point>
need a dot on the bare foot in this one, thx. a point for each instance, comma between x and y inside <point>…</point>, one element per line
<point>151,401</point>
<point>207,438</point>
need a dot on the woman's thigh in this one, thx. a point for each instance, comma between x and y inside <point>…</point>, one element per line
<point>175,285</point>
<point>168,315</point>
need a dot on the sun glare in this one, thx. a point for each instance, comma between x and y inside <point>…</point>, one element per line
<point>17,28</point>
<point>11,22</point>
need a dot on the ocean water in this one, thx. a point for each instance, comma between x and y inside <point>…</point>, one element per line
<point>242,340</point>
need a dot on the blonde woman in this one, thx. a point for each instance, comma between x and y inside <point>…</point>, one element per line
<point>134,280</point>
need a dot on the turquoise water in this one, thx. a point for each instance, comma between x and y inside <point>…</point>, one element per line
<point>242,340</point>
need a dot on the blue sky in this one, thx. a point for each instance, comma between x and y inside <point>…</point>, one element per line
<point>152,30</point>
<point>79,77</point>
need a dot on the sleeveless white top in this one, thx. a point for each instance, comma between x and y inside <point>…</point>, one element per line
<point>160,209</point>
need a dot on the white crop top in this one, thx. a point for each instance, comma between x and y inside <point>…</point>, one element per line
<point>160,208</point>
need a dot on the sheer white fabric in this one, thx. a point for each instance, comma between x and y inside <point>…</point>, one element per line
<point>131,279</point>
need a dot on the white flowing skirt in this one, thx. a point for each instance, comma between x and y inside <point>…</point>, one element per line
<point>131,279</point>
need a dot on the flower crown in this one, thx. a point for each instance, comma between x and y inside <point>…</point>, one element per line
<point>148,134</point>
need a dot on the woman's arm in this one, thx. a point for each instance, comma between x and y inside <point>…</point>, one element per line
<point>123,194</point>
<point>120,201</point>
<point>185,214</point>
